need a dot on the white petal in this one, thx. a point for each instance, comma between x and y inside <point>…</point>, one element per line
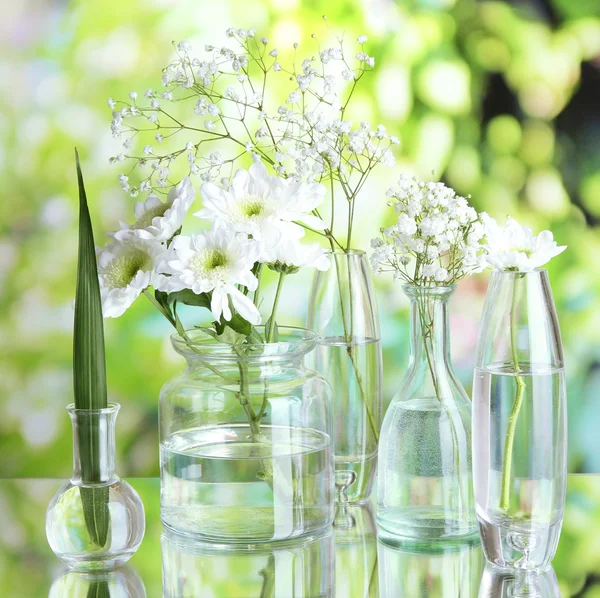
<point>244,306</point>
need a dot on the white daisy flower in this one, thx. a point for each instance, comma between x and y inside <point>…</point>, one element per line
<point>160,220</point>
<point>266,207</point>
<point>290,255</point>
<point>213,262</point>
<point>514,247</point>
<point>125,269</point>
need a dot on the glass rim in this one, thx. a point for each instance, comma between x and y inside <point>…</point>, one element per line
<point>519,272</point>
<point>111,408</point>
<point>435,290</point>
<point>349,253</point>
<point>296,341</point>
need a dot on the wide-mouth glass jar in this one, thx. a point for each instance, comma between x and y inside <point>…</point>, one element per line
<point>245,441</point>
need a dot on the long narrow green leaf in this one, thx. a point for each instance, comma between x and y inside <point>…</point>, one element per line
<point>89,364</point>
<point>89,372</point>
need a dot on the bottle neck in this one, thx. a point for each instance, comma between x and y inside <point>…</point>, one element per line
<point>429,328</point>
<point>94,461</point>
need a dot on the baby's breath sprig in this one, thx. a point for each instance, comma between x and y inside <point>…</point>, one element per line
<point>437,238</point>
<point>226,100</point>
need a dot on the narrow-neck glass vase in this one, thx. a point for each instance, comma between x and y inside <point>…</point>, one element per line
<point>424,488</point>
<point>96,520</point>
<point>245,441</point>
<point>343,312</point>
<point>519,422</point>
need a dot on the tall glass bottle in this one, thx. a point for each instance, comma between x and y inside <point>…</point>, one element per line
<point>343,312</point>
<point>520,422</point>
<point>425,489</point>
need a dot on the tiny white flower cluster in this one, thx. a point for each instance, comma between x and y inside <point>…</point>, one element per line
<point>256,220</point>
<point>305,137</point>
<point>437,238</point>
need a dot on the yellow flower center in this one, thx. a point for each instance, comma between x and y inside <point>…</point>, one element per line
<point>122,269</point>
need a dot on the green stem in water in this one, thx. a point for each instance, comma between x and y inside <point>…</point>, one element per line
<point>516,408</point>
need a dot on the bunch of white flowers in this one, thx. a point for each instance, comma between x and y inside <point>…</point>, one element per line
<point>221,98</point>
<point>437,238</point>
<point>515,247</point>
<point>255,222</point>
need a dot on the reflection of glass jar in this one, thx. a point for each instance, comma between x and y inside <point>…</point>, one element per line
<point>505,583</point>
<point>355,550</point>
<point>300,568</point>
<point>246,445</point>
<point>123,582</point>
<point>430,570</point>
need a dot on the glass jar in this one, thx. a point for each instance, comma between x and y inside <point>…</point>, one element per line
<point>245,441</point>
<point>95,520</point>
<point>424,487</point>
<point>520,422</point>
<point>343,311</point>
<point>300,568</point>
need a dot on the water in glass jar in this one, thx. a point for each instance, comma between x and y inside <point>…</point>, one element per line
<point>222,484</point>
<point>519,462</point>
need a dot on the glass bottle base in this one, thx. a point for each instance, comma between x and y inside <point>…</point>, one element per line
<point>422,524</point>
<point>98,563</point>
<point>518,545</point>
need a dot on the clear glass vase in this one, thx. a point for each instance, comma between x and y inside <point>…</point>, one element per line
<point>245,441</point>
<point>424,488</point>
<point>520,422</point>
<point>513,583</point>
<point>443,570</point>
<point>343,312</point>
<point>301,568</point>
<point>95,520</point>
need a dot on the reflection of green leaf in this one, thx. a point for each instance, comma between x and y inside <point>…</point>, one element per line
<point>98,589</point>
<point>89,371</point>
<point>268,575</point>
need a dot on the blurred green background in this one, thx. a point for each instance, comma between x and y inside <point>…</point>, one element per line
<point>500,99</point>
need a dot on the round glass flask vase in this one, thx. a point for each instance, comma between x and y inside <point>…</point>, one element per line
<point>245,441</point>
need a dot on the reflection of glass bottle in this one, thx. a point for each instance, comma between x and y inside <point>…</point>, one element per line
<point>448,569</point>
<point>302,568</point>
<point>356,551</point>
<point>123,582</point>
<point>506,583</point>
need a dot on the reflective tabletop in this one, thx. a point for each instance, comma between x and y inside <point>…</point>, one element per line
<point>346,561</point>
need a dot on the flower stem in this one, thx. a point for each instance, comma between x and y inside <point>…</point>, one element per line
<point>271,331</point>
<point>516,408</point>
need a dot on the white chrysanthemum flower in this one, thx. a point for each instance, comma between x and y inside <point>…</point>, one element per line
<point>125,269</point>
<point>266,207</point>
<point>160,220</point>
<point>290,255</point>
<point>213,262</point>
<point>515,247</point>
